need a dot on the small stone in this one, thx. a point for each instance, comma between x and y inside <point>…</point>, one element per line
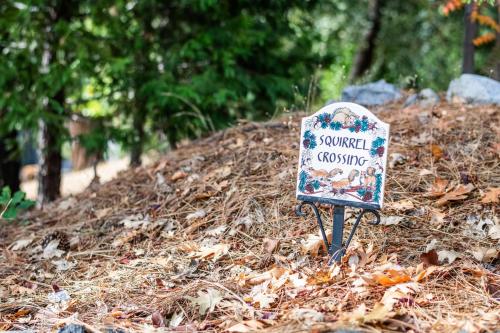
<point>375,93</point>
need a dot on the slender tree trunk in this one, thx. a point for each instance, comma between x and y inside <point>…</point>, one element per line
<point>49,178</point>
<point>137,146</point>
<point>51,130</point>
<point>496,50</point>
<point>364,55</point>
<point>10,164</point>
<point>469,35</point>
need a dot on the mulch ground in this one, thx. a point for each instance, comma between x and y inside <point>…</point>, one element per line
<point>207,239</point>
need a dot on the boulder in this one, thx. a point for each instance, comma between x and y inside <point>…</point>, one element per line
<point>474,89</point>
<point>375,93</point>
<point>426,98</point>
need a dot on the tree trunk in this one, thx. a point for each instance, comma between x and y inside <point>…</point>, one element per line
<point>51,129</point>
<point>469,35</point>
<point>10,164</point>
<point>495,54</point>
<point>49,178</point>
<point>137,145</point>
<point>364,56</point>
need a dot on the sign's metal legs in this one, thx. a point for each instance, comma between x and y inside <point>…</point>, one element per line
<point>337,248</point>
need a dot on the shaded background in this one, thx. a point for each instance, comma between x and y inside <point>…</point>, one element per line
<point>83,81</point>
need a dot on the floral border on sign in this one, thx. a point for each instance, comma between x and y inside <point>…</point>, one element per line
<point>343,119</point>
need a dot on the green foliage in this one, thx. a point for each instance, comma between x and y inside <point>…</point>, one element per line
<point>11,205</point>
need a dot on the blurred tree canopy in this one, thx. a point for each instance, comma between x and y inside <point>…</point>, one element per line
<point>150,72</point>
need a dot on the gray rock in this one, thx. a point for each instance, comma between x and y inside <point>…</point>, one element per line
<point>412,99</point>
<point>474,89</point>
<point>72,328</point>
<point>375,93</point>
<point>426,98</point>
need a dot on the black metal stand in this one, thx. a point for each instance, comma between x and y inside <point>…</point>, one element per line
<point>337,248</point>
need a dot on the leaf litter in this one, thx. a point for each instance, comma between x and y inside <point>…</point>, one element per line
<point>207,239</point>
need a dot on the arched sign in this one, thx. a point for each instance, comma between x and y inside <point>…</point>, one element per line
<point>343,157</point>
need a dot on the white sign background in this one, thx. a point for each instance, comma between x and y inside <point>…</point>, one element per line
<point>343,156</point>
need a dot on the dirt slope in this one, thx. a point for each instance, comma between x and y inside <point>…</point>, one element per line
<point>207,239</point>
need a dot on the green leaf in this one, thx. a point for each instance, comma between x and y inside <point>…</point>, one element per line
<point>25,204</point>
<point>17,198</point>
<point>10,213</point>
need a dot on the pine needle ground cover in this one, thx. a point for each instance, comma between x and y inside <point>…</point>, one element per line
<point>207,240</point>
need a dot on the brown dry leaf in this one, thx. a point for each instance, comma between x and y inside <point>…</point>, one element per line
<point>424,273</point>
<point>391,277</point>
<point>485,254</point>
<point>215,252</point>
<point>178,175</point>
<point>270,245</point>
<point>379,313</point>
<point>360,316</point>
<point>157,319</point>
<point>402,205</point>
<point>320,278</point>
<point>437,152</point>
<point>100,213</point>
<point>247,326</point>
<point>429,258</point>
<point>438,188</point>
<point>258,278</point>
<point>437,217</point>
<point>125,238</point>
<point>458,193</point>
<point>491,196</point>
<point>449,255</point>
<point>314,243</point>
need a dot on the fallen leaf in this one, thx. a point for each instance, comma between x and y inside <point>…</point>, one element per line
<point>206,300</point>
<point>451,256</point>
<point>484,254</point>
<point>491,196</point>
<point>391,220</point>
<point>396,159</point>
<point>59,296</point>
<point>425,172</point>
<point>216,231</point>
<point>247,326</point>
<point>264,300</point>
<point>307,315</point>
<point>178,175</point>
<point>402,205</point>
<point>437,217</point>
<point>258,278</point>
<point>157,319</point>
<point>100,213</point>
<point>430,258</point>
<point>176,319</point>
<point>270,245</point>
<point>63,265</point>
<point>391,277</point>
<point>314,243</point>
<point>20,244</point>
<point>438,188</point>
<point>437,152</point>
<point>201,213</point>
<point>215,252</point>
<point>51,250</point>
<point>379,313</point>
<point>458,193</point>
<point>494,232</point>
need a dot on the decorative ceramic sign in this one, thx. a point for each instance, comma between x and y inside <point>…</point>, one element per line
<point>343,157</point>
